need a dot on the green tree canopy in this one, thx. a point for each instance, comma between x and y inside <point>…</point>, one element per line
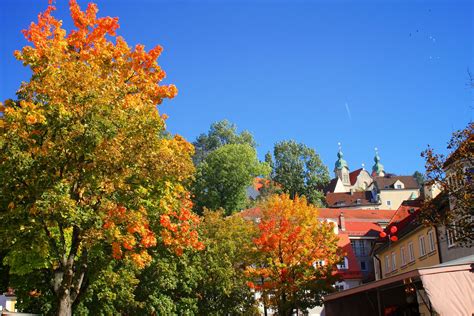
<point>223,177</point>
<point>420,179</point>
<point>300,171</point>
<point>220,133</point>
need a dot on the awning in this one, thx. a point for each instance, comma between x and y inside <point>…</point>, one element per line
<point>449,288</point>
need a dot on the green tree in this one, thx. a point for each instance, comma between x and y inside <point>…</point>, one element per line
<point>229,250</point>
<point>84,170</point>
<point>300,171</point>
<point>420,178</point>
<point>220,133</point>
<point>169,285</point>
<point>206,282</point>
<point>223,177</point>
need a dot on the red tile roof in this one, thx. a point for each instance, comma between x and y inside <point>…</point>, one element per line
<point>357,215</point>
<point>405,215</point>
<point>251,213</point>
<point>362,229</point>
<point>353,175</point>
<point>349,199</point>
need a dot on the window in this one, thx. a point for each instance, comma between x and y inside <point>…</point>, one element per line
<point>451,235</point>
<point>363,266</point>
<point>358,245</point>
<point>339,286</point>
<point>319,264</point>
<point>431,241</point>
<point>358,201</point>
<point>411,253</point>
<point>421,239</point>
<point>399,186</point>
<point>345,178</point>
<point>344,265</point>
<point>387,264</point>
<point>389,203</point>
<point>394,261</point>
<point>403,256</point>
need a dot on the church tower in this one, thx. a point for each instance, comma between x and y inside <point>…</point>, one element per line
<point>341,169</point>
<point>377,169</point>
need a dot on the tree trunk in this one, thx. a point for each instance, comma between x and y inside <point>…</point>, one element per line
<point>65,305</point>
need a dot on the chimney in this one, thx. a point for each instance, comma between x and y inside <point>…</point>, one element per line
<point>342,221</point>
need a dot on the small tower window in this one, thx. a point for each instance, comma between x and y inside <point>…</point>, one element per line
<point>345,178</point>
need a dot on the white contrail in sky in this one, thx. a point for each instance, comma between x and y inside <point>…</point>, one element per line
<point>348,112</point>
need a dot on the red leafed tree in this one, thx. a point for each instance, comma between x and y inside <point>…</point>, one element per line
<point>298,255</point>
<point>83,160</point>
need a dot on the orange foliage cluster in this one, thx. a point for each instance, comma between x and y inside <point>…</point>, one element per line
<point>131,235</point>
<point>179,228</point>
<point>291,240</point>
<point>89,43</point>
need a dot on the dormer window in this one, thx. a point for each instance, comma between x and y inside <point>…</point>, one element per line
<point>344,265</point>
<point>399,186</point>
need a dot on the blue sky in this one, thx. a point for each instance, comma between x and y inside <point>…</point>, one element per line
<point>386,74</point>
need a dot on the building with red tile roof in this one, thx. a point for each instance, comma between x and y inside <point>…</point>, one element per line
<point>350,270</point>
<point>360,189</point>
<point>362,228</point>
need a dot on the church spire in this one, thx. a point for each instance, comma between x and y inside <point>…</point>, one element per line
<point>340,162</point>
<point>377,169</point>
<point>341,169</point>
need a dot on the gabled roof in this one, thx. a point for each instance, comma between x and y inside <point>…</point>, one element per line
<point>331,186</point>
<point>387,182</point>
<point>349,199</point>
<point>406,209</point>
<point>353,270</point>
<point>353,175</point>
<point>405,219</point>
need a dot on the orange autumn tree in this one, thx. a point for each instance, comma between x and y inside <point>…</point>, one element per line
<point>293,243</point>
<point>85,160</point>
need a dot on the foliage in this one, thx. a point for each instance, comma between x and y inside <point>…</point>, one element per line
<point>292,241</point>
<point>453,174</point>
<point>420,179</point>
<point>223,177</point>
<point>300,171</point>
<point>84,165</point>
<point>205,282</point>
<point>229,250</point>
<point>168,285</point>
<point>220,133</point>
<point>269,160</point>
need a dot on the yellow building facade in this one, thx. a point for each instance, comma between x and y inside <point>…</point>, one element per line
<point>416,249</point>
